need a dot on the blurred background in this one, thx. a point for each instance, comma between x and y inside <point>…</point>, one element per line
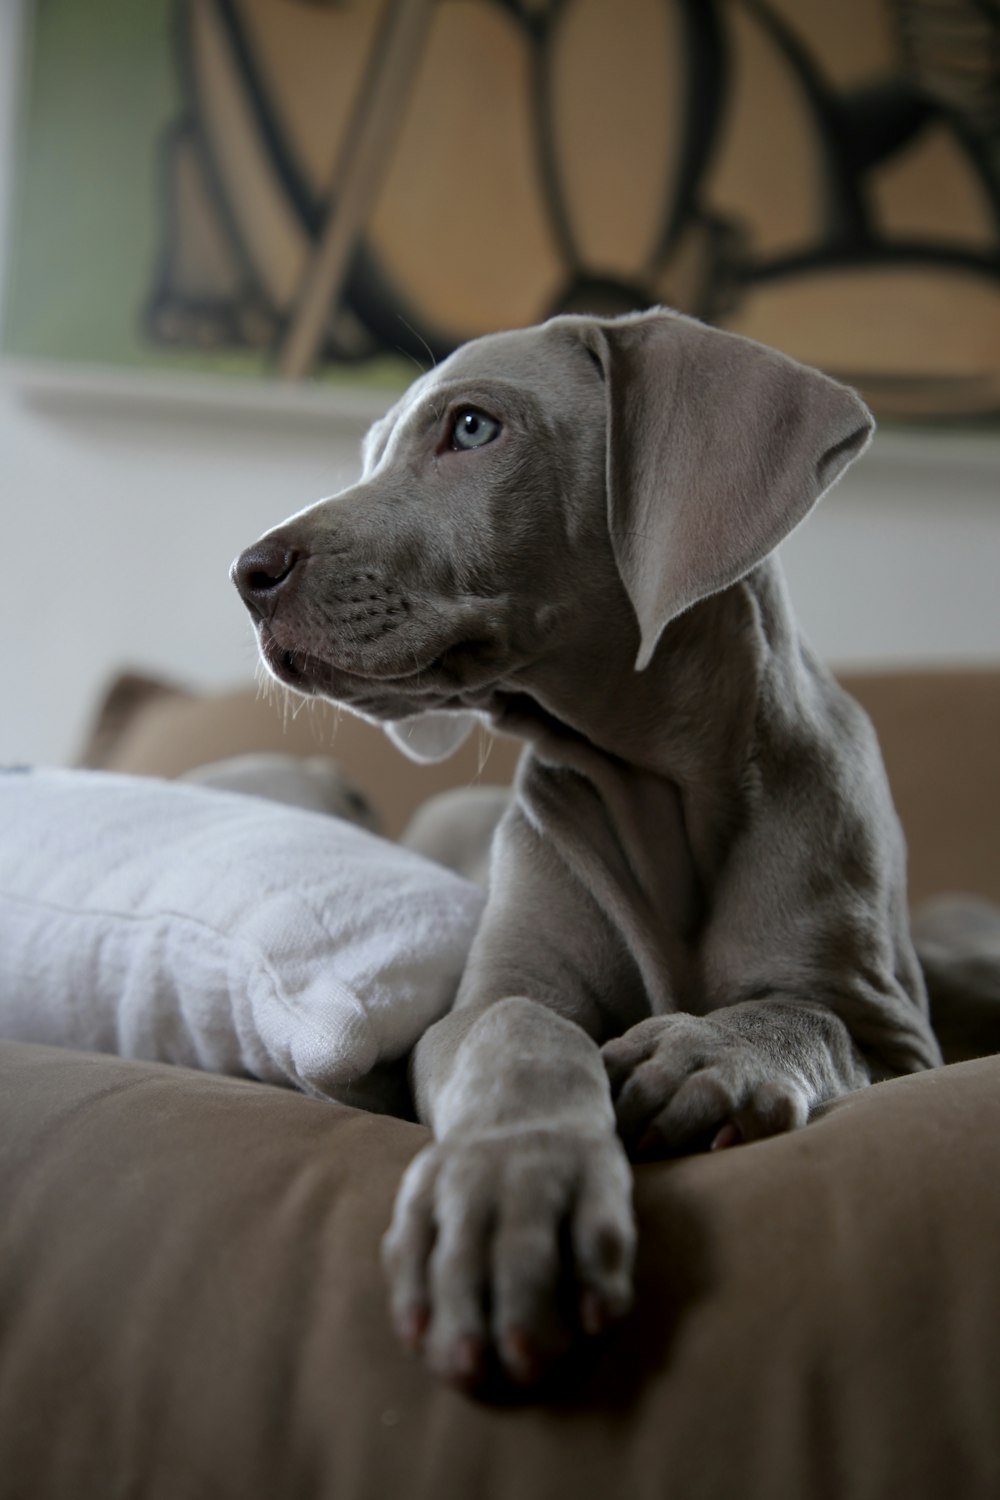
<point>232,230</point>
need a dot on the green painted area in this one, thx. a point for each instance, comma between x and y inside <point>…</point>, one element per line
<point>99,89</point>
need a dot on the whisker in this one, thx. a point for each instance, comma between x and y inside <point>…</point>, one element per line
<point>416,335</point>
<point>484,746</point>
<point>411,357</point>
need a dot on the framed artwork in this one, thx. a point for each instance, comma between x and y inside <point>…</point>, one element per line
<point>336,189</point>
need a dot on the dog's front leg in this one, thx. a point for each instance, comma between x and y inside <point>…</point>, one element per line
<point>809,981</point>
<point>513,1231</point>
<point>686,1083</point>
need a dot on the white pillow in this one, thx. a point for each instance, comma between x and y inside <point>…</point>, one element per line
<point>187,925</point>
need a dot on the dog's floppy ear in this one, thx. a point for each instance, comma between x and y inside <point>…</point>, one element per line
<point>431,736</point>
<point>717,448</point>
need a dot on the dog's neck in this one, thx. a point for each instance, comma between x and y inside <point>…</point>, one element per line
<point>691,713</point>
<point>722,680</point>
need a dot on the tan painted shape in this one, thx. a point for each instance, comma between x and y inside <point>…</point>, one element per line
<point>931,191</point>
<point>766,171</point>
<point>313,59</point>
<point>895,327</point>
<point>271,236</point>
<point>460,226</point>
<point>617,106</point>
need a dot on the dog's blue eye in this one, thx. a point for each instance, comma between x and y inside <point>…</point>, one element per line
<point>473,429</point>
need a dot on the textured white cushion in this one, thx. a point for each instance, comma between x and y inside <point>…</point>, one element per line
<point>187,925</point>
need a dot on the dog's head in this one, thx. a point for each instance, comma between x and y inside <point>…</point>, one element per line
<point>536,488</point>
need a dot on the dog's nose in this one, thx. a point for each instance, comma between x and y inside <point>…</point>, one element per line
<point>262,571</point>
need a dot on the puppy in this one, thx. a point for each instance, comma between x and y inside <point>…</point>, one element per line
<point>567,531</point>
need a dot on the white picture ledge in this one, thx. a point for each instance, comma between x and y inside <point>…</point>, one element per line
<point>54,385</point>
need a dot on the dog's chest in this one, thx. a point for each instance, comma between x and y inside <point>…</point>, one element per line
<point>623,835</point>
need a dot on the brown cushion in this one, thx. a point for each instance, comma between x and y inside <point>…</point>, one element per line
<point>940,738</point>
<point>191,1305</point>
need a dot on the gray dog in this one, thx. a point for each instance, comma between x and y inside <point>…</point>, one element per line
<point>696,929</point>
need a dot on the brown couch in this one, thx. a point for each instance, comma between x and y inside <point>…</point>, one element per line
<point>190,1297</point>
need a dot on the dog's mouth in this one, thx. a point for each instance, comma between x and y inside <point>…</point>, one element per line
<point>423,686</point>
<point>311,674</point>
<point>301,670</point>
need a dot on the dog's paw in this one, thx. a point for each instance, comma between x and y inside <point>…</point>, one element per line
<point>506,1246</point>
<point>686,1083</point>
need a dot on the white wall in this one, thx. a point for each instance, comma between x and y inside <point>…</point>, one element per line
<point>118,519</point>
<point>117,532</point>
